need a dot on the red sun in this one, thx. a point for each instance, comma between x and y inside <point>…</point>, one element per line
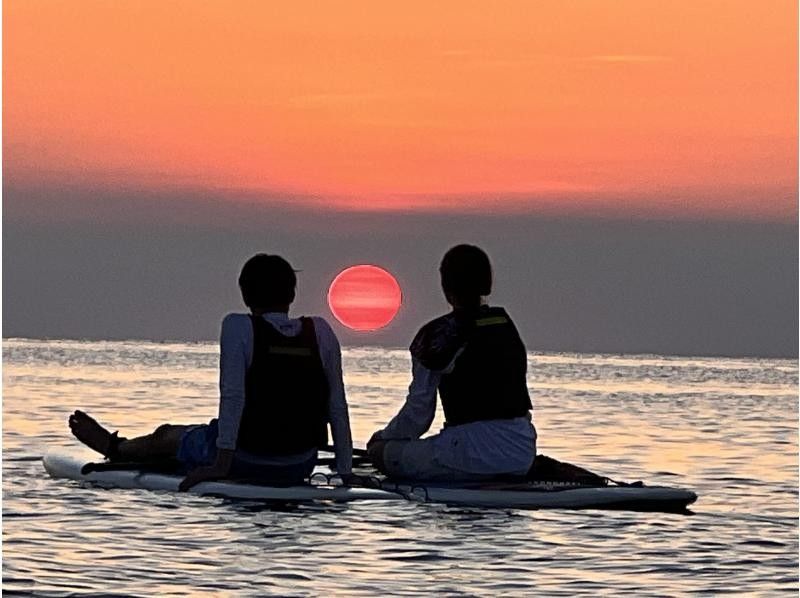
<point>364,297</point>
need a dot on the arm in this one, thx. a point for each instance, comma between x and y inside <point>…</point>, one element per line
<point>416,415</point>
<point>236,340</point>
<point>235,354</point>
<point>331,356</point>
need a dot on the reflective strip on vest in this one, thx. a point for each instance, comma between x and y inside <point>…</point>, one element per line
<point>493,321</point>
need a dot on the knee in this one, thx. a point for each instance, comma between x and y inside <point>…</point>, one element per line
<point>166,438</point>
<point>163,430</point>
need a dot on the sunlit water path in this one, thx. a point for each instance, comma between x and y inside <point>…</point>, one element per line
<point>726,428</point>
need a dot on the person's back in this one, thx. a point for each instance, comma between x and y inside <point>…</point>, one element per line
<point>286,392</point>
<point>475,359</point>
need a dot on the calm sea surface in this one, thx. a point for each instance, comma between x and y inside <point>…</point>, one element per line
<point>726,428</point>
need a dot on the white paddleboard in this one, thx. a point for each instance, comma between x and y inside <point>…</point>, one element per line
<point>648,498</point>
<point>66,466</point>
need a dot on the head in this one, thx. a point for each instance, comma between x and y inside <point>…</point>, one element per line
<point>267,283</point>
<point>466,275</point>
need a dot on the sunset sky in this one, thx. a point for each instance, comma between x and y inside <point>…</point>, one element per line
<point>624,107</point>
<point>630,166</point>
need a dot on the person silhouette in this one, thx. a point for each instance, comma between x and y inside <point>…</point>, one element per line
<point>476,361</point>
<point>280,388</point>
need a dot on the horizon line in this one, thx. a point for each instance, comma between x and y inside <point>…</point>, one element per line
<point>389,347</point>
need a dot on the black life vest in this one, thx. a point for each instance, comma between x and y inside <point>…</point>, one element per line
<point>488,380</point>
<point>286,393</point>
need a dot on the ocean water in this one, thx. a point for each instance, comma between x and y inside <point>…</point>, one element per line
<point>726,428</point>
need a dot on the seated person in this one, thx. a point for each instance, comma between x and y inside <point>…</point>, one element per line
<point>476,360</point>
<point>280,386</point>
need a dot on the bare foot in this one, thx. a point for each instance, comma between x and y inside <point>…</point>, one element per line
<point>92,434</point>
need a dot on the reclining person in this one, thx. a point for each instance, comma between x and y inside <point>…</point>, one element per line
<point>476,360</point>
<point>280,386</point>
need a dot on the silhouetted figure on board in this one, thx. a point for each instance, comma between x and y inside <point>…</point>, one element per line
<point>474,358</point>
<point>280,387</point>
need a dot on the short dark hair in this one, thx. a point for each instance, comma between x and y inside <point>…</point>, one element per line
<point>466,272</point>
<point>267,280</point>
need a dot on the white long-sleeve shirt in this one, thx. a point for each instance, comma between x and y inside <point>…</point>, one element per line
<point>482,447</point>
<point>236,355</point>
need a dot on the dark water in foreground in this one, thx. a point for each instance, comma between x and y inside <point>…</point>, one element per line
<point>726,428</point>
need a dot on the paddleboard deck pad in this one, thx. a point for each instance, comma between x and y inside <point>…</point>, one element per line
<point>532,495</point>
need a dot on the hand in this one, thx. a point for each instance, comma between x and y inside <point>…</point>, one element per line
<point>200,474</point>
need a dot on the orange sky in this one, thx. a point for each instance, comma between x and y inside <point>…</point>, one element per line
<point>635,106</point>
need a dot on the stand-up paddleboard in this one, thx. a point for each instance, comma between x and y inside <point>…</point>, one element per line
<point>498,495</point>
<point>71,467</point>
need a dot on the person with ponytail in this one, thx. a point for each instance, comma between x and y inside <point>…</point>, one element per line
<point>474,358</point>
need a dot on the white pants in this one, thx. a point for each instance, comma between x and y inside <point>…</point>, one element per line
<point>417,460</point>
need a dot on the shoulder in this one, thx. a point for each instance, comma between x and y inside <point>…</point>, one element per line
<point>435,326</point>
<point>493,315</point>
<point>236,323</point>
<point>438,342</point>
<point>324,332</point>
<point>236,319</point>
<point>499,315</point>
<point>321,325</point>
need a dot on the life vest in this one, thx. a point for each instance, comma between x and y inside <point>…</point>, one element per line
<point>488,380</point>
<point>286,393</point>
